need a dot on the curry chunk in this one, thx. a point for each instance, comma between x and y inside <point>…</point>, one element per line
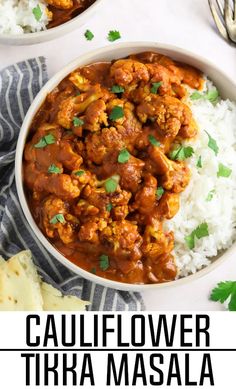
<point>126,71</point>
<point>95,116</point>
<point>63,4</point>
<point>145,198</point>
<point>168,205</point>
<point>171,115</point>
<point>123,236</point>
<point>52,207</point>
<point>156,242</point>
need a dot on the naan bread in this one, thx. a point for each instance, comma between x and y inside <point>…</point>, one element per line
<point>53,300</point>
<point>21,288</point>
<point>20,284</point>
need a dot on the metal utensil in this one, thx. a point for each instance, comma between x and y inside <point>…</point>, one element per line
<point>225,18</point>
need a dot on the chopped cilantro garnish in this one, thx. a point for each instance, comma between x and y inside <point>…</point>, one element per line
<point>53,169</point>
<point>153,140</point>
<point>59,218</point>
<point>199,162</point>
<point>113,35</point>
<point>79,173</point>
<point>37,13</point>
<point>223,171</point>
<point>155,87</point>
<point>212,144</point>
<point>116,113</point>
<point>117,89</point>
<point>93,270</point>
<point>123,156</point>
<point>159,192</point>
<point>181,153</point>
<point>44,141</point>
<point>225,291</point>
<point>88,35</point>
<point>104,262</point>
<point>200,232</point>
<point>77,122</point>
<point>210,195</point>
<point>211,95</point>
<point>109,207</point>
<point>111,185</point>
<point>196,96</point>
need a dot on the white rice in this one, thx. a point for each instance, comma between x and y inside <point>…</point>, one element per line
<point>220,213</point>
<point>17,17</point>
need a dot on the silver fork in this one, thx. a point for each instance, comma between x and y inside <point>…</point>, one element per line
<point>225,18</point>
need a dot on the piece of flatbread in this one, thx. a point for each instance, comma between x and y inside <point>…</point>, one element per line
<point>20,284</point>
<point>21,288</point>
<point>53,300</point>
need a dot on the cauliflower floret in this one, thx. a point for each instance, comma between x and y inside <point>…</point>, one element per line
<point>127,71</point>
<point>76,105</point>
<point>171,115</point>
<point>65,227</point>
<point>95,116</point>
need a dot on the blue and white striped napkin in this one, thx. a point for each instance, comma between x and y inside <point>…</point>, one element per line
<point>19,84</point>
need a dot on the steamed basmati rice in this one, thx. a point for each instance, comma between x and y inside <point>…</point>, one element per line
<point>17,16</point>
<point>218,210</point>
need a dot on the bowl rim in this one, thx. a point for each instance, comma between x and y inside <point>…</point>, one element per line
<point>51,83</point>
<point>54,31</point>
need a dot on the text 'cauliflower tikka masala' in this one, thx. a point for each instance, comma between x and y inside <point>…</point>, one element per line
<point>98,172</point>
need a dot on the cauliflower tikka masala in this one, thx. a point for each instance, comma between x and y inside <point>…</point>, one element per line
<point>101,166</point>
<point>61,11</point>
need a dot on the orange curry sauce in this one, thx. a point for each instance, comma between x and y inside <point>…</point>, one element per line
<point>97,174</point>
<point>61,11</point>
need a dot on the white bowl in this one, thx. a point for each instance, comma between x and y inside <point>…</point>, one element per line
<point>226,87</point>
<point>52,33</point>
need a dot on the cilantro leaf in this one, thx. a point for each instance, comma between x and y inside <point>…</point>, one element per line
<point>159,192</point>
<point>113,35</point>
<point>210,195</point>
<point>116,113</point>
<point>196,96</point>
<point>153,141</point>
<point>53,169</point>
<point>117,89</point>
<point>212,95</point>
<point>224,291</point>
<point>59,218</point>
<point>123,156</point>
<point>155,87</point>
<point>77,122</point>
<point>79,173</point>
<point>200,232</point>
<point>181,153</point>
<point>44,141</point>
<point>223,171</point>
<point>190,241</point>
<point>37,13</point>
<point>199,162</point>
<point>212,144</point>
<point>88,35</point>
<point>93,270</point>
<point>109,207</point>
<point>104,262</point>
<point>111,185</point>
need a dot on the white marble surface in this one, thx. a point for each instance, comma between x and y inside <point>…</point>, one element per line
<point>185,23</point>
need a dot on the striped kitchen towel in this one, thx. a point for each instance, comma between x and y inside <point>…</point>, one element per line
<point>19,84</point>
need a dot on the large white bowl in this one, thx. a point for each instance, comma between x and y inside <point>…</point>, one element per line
<point>52,33</point>
<point>226,87</point>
